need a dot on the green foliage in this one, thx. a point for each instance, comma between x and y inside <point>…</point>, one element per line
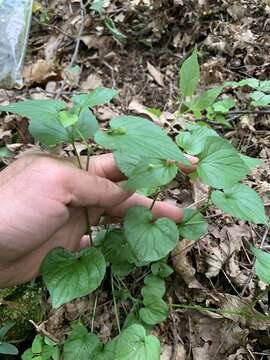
<point>151,173</point>
<point>42,349</point>
<point>97,5</point>
<point>140,137</point>
<point>193,141</point>
<point>242,202</point>
<point>220,165</point>
<point>146,237</point>
<point>193,226</point>
<point>81,344</point>
<point>262,264</point>
<point>5,347</point>
<point>69,276</point>
<point>135,344</point>
<point>190,75</point>
<point>99,96</point>
<point>117,34</point>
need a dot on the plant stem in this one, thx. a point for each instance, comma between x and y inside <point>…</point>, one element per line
<point>89,150</point>
<point>94,313</point>
<point>154,201</point>
<point>87,217</point>
<point>115,305</point>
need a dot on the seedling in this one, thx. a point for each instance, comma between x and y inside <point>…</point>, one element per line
<point>149,158</point>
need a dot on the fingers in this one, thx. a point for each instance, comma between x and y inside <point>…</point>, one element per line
<point>87,190</point>
<point>192,167</point>
<point>105,166</point>
<point>160,209</point>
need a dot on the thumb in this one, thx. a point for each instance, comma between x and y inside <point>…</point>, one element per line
<point>86,190</point>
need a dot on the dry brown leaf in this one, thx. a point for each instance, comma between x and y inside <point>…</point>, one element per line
<point>166,352</point>
<point>135,106</point>
<point>39,72</point>
<point>92,82</point>
<point>156,74</point>
<point>182,263</point>
<point>230,241</point>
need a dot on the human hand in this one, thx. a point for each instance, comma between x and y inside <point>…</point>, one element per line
<point>43,202</point>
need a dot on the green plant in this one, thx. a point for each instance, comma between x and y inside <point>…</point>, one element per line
<point>149,158</point>
<point>214,104</point>
<point>5,347</point>
<point>42,349</point>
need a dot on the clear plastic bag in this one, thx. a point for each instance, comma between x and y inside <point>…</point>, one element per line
<point>15,20</point>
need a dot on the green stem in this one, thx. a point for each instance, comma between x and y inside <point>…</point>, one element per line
<point>115,305</point>
<point>246,312</point>
<point>94,313</point>
<point>89,150</point>
<point>86,211</point>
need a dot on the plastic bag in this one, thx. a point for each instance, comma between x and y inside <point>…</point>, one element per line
<point>15,20</point>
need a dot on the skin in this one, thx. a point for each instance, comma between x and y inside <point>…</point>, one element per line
<point>43,202</point>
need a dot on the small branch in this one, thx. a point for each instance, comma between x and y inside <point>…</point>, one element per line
<point>76,50</point>
<point>252,112</point>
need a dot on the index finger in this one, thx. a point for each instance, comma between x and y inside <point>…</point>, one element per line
<point>105,166</point>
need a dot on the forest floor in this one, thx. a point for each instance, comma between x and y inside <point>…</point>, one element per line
<point>224,307</point>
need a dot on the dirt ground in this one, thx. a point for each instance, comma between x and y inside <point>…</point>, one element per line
<point>216,273</point>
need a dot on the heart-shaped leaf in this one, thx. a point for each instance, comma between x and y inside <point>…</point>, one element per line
<point>149,240</point>
<point>115,247</point>
<point>135,344</point>
<point>220,165</point>
<point>81,344</point>
<point>137,136</point>
<point>155,310</point>
<point>193,225</point>
<point>126,162</point>
<point>262,264</point>
<point>69,276</point>
<point>193,141</point>
<point>242,202</point>
<point>151,173</point>
<point>161,269</point>
<point>87,124</point>
<point>153,286</point>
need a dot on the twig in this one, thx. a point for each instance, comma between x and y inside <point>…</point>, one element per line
<point>115,305</point>
<point>54,27</point>
<point>76,50</point>
<point>243,112</point>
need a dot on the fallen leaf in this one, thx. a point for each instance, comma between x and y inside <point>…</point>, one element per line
<point>92,82</point>
<point>182,263</point>
<point>39,72</point>
<point>156,74</point>
<point>167,350</point>
<point>137,107</point>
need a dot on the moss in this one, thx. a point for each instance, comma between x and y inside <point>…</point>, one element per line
<point>19,305</point>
